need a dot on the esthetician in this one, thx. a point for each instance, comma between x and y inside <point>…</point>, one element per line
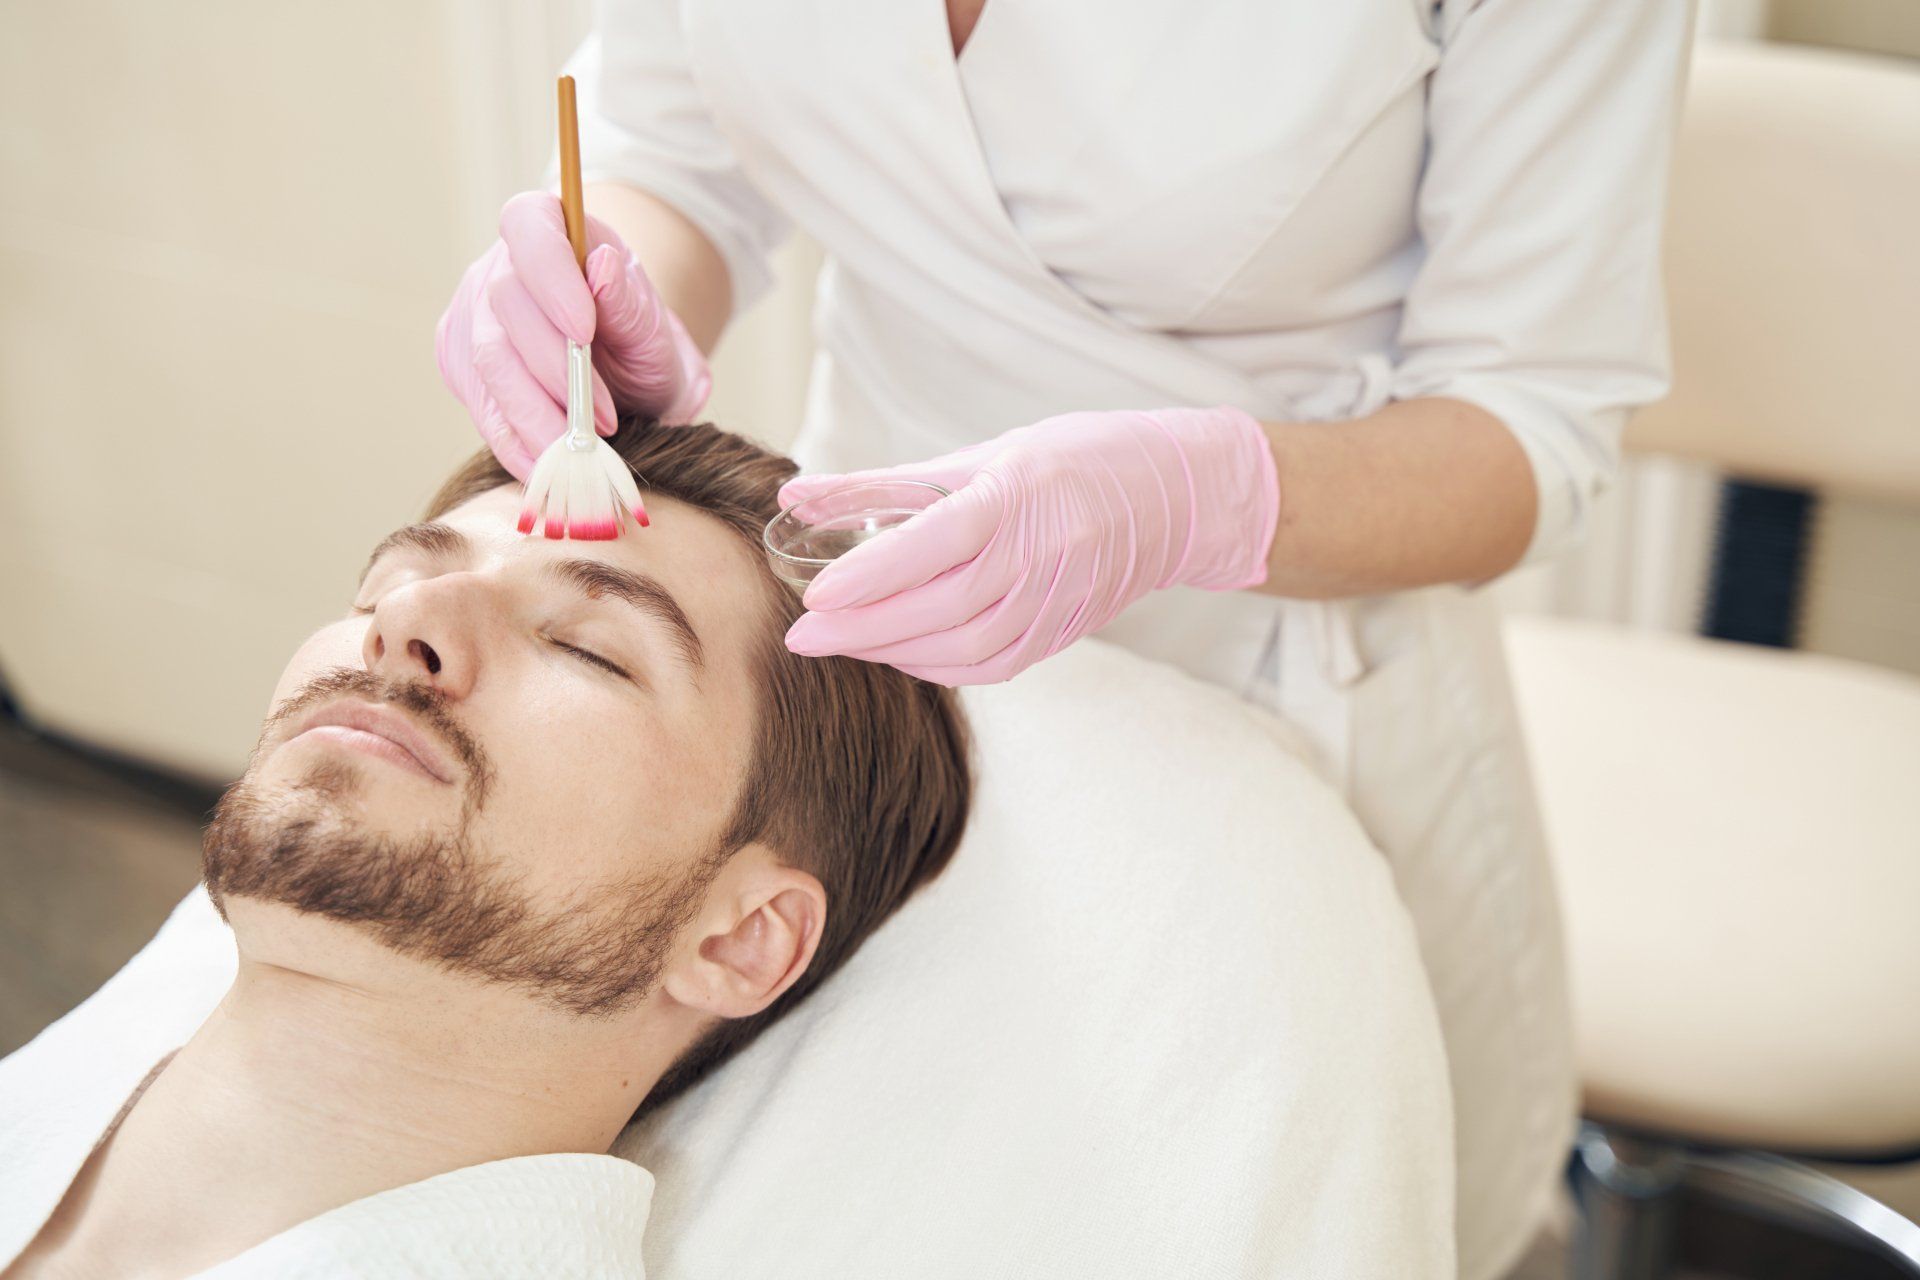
<point>1252,335</point>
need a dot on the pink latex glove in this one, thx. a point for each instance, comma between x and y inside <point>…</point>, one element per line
<point>502,343</point>
<point>1051,531</point>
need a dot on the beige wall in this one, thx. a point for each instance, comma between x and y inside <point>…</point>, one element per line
<point>226,232</point>
<point>216,311</point>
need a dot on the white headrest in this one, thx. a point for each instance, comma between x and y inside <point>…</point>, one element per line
<point>1162,1015</point>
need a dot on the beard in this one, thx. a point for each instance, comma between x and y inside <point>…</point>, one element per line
<point>432,894</point>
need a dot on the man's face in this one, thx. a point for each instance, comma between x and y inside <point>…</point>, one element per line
<point>564,815</point>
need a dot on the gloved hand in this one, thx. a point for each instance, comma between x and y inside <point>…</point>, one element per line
<point>1051,531</point>
<point>502,343</point>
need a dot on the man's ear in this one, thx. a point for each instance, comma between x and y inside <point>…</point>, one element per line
<point>753,939</point>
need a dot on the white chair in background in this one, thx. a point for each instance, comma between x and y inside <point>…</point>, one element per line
<point>1736,829</point>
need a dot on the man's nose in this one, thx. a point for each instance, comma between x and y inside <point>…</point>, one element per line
<point>426,631</point>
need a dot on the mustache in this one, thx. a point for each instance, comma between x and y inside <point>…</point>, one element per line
<point>428,706</point>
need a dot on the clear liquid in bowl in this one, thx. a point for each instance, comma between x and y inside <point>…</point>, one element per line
<point>836,537</point>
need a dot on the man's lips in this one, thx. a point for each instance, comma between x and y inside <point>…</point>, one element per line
<point>347,719</point>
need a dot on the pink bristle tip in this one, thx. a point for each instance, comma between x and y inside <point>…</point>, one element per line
<point>526,522</point>
<point>594,531</point>
<point>555,529</point>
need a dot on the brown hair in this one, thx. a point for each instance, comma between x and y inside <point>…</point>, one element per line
<point>860,774</point>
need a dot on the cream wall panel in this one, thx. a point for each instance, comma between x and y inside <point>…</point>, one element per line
<point>276,137</point>
<point>221,259</point>
<point>242,461</point>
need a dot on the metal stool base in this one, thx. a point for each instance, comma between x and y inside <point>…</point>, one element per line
<point>1629,1190</point>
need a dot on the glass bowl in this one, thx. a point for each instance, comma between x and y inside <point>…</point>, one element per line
<point>808,536</point>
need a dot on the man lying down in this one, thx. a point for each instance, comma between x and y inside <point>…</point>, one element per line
<point>533,838</point>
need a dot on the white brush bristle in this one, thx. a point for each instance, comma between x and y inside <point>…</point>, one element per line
<point>585,494</point>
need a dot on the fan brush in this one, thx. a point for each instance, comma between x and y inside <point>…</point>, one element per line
<point>579,488</point>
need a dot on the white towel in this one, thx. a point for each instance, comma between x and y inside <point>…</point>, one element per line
<point>1162,1016</point>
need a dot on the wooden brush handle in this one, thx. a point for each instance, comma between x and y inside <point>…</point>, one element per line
<point>571,203</point>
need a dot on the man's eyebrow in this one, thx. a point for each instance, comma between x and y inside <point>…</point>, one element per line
<point>596,579</point>
<point>431,536</point>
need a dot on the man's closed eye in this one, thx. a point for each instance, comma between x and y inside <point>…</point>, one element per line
<point>587,655</point>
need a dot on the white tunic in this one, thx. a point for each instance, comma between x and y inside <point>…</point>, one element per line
<point>1303,209</point>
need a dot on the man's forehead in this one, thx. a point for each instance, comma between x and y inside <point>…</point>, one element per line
<point>704,564</point>
<point>692,544</point>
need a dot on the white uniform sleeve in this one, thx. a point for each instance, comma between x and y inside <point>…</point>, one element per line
<point>1550,125</point>
<point>644,122</point>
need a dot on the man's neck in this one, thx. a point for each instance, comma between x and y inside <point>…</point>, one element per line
<point>301,1093</point>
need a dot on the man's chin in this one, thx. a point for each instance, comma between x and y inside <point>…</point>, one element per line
<point>319,841</point>
<point>273,931</point>
<point>300,852</point>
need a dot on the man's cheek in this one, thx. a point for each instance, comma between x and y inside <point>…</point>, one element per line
<point>680,784</point>
<point>551,847</point>
<point>338,645</point>
<point>563,819</point>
